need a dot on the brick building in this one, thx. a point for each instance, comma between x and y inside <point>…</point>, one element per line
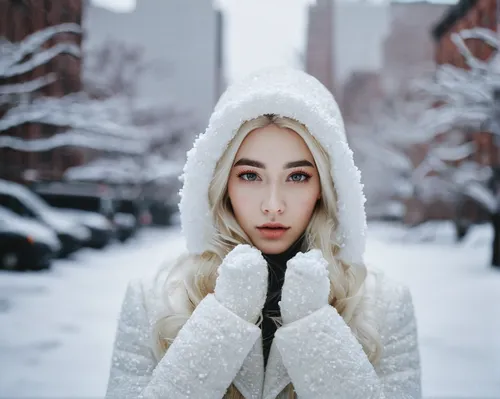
<point>18,19</point>
<point>408,48</point>
<point>319,60</point>
<point>406,51</point>
<point>393,46</point>
<point>361,91</point>
<point>336,48</point>
<point>467,14</point>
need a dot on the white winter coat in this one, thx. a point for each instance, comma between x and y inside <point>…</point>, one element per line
<point>318,354</point>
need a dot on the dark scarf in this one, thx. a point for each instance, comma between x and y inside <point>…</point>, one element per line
<point>276,277</point>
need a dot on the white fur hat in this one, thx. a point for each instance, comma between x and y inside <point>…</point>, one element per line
<point>285,92</point>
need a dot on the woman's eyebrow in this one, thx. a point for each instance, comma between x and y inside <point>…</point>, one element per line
<point>258,164</point>
<point>250,162</point>
<point>296,164</point>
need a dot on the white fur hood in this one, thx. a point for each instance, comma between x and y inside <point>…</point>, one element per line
<point>285,92</point>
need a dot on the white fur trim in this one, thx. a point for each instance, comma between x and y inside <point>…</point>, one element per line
<point>285,92</point>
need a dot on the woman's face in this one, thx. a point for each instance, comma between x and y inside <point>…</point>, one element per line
<point>273,187</point>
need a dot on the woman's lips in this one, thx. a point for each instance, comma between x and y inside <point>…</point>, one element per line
<point>272,233</point>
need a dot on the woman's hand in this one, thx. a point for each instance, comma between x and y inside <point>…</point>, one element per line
<point>242,282</point>
<point>306,287</point>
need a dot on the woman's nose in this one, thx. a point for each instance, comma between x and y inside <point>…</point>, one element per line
<point>273,203</point>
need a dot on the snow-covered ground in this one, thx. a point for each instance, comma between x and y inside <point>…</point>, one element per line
<point>57,327</point>
<point>457,303</point>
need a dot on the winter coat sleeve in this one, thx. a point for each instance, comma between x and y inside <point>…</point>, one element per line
<point>324,359</point>
<point>201,363</point>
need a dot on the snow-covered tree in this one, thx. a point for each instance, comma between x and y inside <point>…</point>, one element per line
<point>19,58</point>
<point>112,71</point>
<point>377,156</point>
<point>96,124</point>
<point>467,100</point>
<point>104,125</point>
<point>384,145</point>
<point>113,68</point>
<point>132,141</point>
<point>436,119</point>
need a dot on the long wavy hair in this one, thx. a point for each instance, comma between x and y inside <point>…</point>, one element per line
<point>192,277</point>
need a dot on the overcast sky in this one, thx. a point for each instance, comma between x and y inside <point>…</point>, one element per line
<point>250,26</point>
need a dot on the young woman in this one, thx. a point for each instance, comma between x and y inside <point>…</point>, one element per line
<point>273,298</point>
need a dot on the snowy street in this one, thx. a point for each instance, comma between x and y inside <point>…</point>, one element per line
<point>58,326</point>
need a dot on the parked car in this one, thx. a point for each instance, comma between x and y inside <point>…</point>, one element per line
<point>162,191</point>
<point>132,213</point>
<point>164,213</point>
<point>24,202</point>
<point>125,225</point>
<point>84,203</point>
<point>101,229</point>
<point>25,244</point>
<point>76,196</point>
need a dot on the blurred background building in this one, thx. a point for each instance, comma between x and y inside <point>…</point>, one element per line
<point>359,65</point>
<point>408,47</point>
<point>19,19</point>
<point>467,15</point>
<point>181,40</point>
<point>178,57</point>
<point>337,47</point>
<point>463,15</point>
<point>368,53</point>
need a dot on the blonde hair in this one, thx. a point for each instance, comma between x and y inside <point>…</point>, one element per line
<point>200,271</point>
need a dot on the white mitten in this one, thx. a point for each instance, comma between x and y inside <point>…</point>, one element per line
<point>306,286</point>
<point>242,282</point>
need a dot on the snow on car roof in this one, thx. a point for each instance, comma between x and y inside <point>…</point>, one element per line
<point>7,216</point>
<point>23,193</point>
<point>75,189</point>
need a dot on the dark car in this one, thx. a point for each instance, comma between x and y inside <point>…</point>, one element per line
<point>87,210</point>
<point>86,197</point>
<point>127,218</point>
<point>25,244</point>
<point>125,224</point>
<point>27,204</point>
<point>138,213</point>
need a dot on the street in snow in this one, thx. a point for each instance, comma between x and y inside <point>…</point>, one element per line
<point>58,326</point>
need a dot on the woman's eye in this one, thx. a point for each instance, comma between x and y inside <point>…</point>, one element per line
<point>248,176</point>
<point>299,177</point>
